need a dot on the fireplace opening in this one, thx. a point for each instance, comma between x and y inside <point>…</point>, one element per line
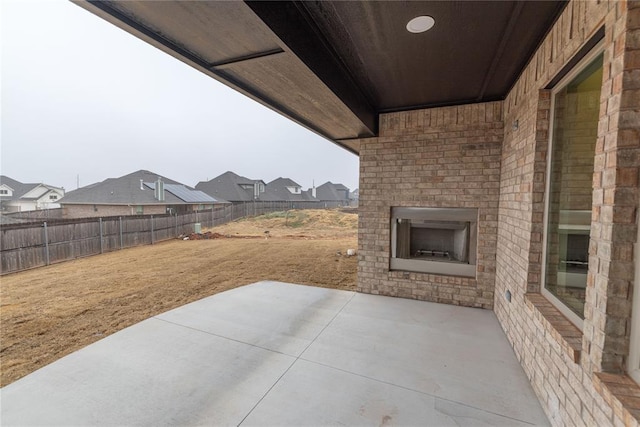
<point>434,240</point>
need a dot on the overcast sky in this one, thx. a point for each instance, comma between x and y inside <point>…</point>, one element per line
<point>80,97</point>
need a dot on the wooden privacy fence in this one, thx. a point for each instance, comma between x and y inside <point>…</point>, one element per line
<point>24,246</point>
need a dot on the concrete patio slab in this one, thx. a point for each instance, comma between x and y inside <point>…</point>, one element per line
<point>282,321</point>
<point>281,354</point>
<point>446,351</point>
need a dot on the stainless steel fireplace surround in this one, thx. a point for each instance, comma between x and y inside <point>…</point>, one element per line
<point>434,240</point>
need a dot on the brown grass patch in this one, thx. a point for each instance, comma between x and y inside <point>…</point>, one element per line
<point>49,312</point>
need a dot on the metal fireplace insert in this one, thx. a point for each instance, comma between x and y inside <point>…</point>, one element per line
<point>434,240</point>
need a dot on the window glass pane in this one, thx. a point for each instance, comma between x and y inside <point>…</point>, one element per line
<point>575,127</point>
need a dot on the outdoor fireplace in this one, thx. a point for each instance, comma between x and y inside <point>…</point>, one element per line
<point>434,240</point>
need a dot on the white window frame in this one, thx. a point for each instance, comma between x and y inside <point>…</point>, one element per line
<point>577,69</point>
<point>633,367</point>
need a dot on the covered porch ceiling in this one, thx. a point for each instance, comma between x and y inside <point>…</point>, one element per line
<point>334,66</point>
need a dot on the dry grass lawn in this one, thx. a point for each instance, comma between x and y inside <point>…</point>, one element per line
<point>49,312</point>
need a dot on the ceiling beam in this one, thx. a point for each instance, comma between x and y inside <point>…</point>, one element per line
<point>290,24</point>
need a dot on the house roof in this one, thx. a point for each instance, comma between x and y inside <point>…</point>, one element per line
<point>332,192</point>
<point>127,190</point>
<point>20,189</point>
<point>284,182</point>
<point>334,66</point>
<point>278,188</point>
<point>228,186</point>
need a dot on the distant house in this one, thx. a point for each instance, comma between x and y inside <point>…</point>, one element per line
<point>235,188</point>
<point>16,196</point>
<point>332,195</point>
<point>139,193</point>
<point>288,190</point>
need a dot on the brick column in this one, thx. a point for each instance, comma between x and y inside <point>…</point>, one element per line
<point>615,196</point>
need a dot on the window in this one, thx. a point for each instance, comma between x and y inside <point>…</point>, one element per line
<point>575,112</point>
<point>139,209</point>
<point>53,197</point>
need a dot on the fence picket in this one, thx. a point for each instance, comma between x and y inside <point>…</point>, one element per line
<point>24,246</point>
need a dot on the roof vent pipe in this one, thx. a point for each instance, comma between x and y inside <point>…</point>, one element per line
<point>142,184</point>
<point>159,190</point>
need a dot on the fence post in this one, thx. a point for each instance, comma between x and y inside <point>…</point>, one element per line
<point>101,238</point>
<point>46,243</point>
<point>177,235</point>
<point>121,243</point>
<point>152,229</point>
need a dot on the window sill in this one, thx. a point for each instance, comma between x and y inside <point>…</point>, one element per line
<point>621,393</point>
<point>559,327</point>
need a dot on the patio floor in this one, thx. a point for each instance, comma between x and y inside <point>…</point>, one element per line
<point>280,354</point>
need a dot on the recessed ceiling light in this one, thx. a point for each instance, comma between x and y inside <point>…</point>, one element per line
<point>420,24</point>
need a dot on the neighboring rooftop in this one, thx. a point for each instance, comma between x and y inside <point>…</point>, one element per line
<point>288,190</point>
<point>137,188</point>
<point>236,188</point>
<point>20,189</point>
<point>332,192</point>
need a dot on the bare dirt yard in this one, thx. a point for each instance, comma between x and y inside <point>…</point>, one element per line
<point>49,312</point>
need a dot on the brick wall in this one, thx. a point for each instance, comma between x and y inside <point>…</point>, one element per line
<point>564,364</point>
<point>494,157</point>
<point>441,157</point>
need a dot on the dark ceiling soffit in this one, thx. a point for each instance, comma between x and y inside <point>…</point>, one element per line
<point>229,62</point>
<point>513,18</point>
<point>290,22</point>
<point>594,40</point>
<point>218,74</point>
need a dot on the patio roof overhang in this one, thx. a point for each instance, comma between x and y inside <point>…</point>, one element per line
<point>334,66</point>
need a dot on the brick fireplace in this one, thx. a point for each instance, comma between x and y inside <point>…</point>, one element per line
<point>445,158</point>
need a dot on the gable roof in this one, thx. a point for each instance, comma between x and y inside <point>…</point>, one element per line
<point>228,186</point>
<point>278,188</point>
<point>20,189</point>
<point>332,192</point>
<point>41,190</point>
<point>136,189</point>
<point>284,182</point>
